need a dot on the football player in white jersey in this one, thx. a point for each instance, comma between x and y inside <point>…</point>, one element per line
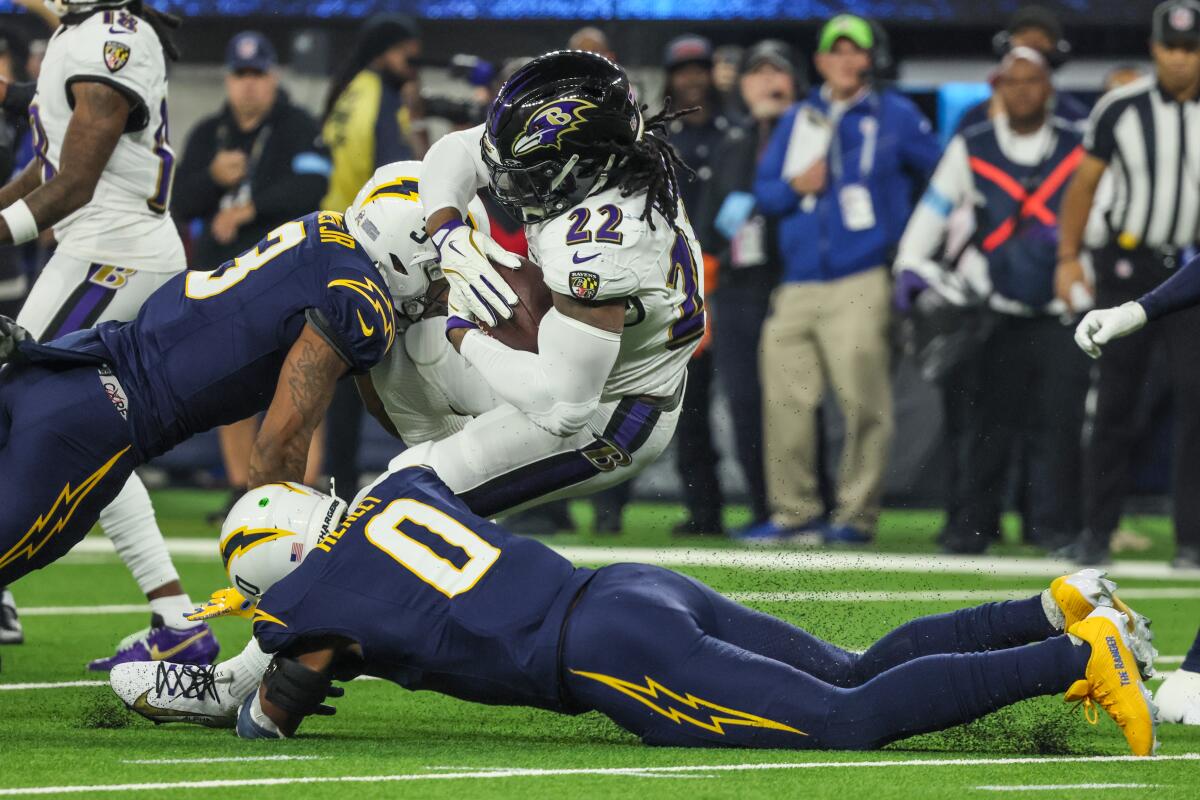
<point>566,147</point>
<point>102,180</point>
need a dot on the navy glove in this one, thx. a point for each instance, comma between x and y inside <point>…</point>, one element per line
<point>11,336</point>
<point>909,286</point>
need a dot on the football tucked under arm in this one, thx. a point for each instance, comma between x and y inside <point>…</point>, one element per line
<point>559,387</point>
<point>533,302</point>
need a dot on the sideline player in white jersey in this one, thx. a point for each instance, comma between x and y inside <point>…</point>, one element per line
<point>102,180</point>
<point>566,147</point>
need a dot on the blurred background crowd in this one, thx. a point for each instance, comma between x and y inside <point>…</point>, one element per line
<point>903,213</point>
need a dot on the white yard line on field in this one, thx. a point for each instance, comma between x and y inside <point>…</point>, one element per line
<point>933,595</point>
<point>1054,787</point>
<point>221,760</point>
<point>495,774</point>
<point>18,687</point>
<point>86,611</point>
<point>764,559</point>
<point>842,561</point>
<point>642,774</point>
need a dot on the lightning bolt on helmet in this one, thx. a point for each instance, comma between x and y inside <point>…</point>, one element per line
<point>271,529</point>
<point>552,131</point>
<point>388,221</point>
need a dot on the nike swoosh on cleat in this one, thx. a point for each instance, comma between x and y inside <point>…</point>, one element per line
<point>143,706</point>
<point>576,259</point>
<point>163,655</point>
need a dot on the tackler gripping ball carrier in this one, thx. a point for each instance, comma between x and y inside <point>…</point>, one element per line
<point>552,132</point>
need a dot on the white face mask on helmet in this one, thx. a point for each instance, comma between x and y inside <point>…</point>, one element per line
<point>388,220</point>
<point>271,529</point>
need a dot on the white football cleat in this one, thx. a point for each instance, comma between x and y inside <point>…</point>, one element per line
<point>1178,699</point>
<point>11,631</point>
<point>162,691</point>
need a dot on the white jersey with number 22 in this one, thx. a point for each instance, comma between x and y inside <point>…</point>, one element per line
<point>603,250</point>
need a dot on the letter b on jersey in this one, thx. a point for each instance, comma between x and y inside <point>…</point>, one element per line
<point>111,277</point>
<point>606,456</point>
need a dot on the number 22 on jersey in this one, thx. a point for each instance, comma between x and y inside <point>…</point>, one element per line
<point>384,531</point>
<point>684,276</point>
<point>203,285</point>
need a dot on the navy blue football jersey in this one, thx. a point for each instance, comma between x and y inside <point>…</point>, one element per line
<point>438,598</point>
<point>207,347</point>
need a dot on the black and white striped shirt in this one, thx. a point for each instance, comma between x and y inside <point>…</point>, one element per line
<point>1151,143</point>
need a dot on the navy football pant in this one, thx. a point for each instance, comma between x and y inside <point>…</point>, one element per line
<point>1191,661</point>
<point>65,453</point>
<point>676,663</point>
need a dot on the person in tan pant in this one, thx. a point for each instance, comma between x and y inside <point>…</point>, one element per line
<point>837,175</point>
<point>827,337</point>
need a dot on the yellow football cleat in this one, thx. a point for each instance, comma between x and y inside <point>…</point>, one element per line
<point>1079,594</point>
<point>1112,682</point>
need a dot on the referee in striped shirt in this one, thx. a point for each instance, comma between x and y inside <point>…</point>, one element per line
<point>1146,136</point>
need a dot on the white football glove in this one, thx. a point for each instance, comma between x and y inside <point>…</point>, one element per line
<point>1101,326</point>
<point>476,289</point>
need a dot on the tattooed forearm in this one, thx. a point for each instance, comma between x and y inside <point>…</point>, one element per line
<point>276,459</point>
<point>302,395</point>
<point>96,126</point>
<point>308,377</point>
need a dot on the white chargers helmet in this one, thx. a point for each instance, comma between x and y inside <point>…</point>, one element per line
<point>388,220</point>
<point>271,529</point>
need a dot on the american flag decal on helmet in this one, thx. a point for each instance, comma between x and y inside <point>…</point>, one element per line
<point>297,551</point>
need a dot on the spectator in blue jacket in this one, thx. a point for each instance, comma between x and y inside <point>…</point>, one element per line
<point>839,175</point>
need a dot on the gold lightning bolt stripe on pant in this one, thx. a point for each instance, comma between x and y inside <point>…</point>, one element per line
<point>65,453</point>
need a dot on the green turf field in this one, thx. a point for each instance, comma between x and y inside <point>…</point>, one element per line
<point>388,742</point>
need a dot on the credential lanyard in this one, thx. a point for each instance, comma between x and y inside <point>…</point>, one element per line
<point>870,132</point>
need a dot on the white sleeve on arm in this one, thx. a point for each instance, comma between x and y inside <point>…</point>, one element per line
<point>558,387</point>
<point>453,171</point>
<point>949,187</point>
